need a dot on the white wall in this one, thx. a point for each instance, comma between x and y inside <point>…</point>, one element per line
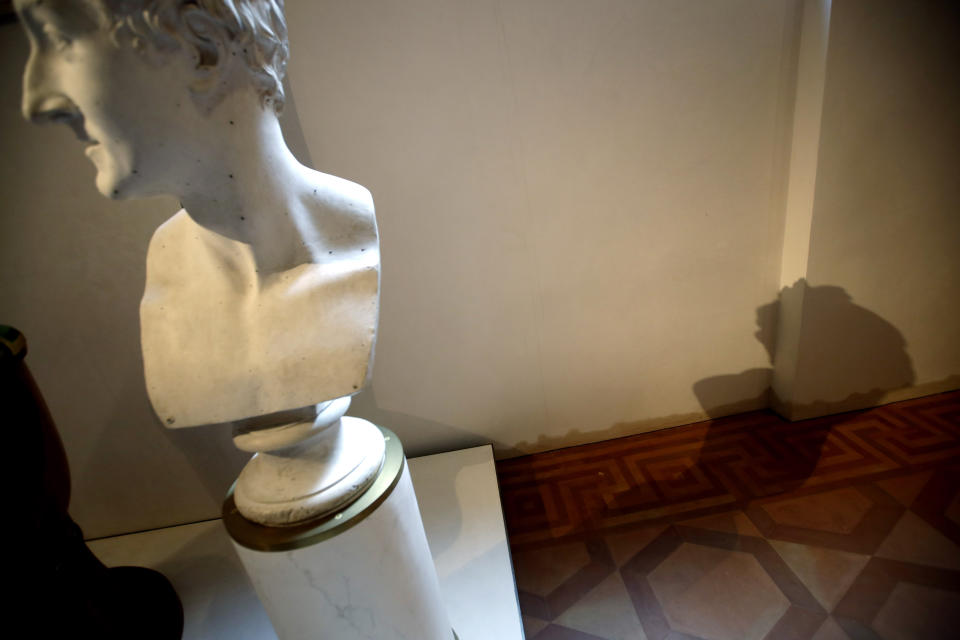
<point>580,204</point>
<point>883,214</point>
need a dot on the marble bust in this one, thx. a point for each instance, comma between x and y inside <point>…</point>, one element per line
<point>261,299</point>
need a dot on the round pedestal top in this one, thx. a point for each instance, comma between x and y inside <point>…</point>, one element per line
<point>263,538</point>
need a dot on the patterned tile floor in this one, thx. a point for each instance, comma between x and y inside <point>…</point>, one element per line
<point>749,527</point>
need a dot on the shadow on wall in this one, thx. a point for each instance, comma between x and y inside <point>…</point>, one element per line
<point>210,462</point>
<point>850,358</point>
<point>420,436</point>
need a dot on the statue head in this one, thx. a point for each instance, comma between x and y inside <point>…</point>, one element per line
<point>140,80</point>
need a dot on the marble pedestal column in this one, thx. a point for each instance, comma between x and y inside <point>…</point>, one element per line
<point>362,572</point>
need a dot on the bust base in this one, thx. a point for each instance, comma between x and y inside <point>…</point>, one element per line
<point>334,461</point>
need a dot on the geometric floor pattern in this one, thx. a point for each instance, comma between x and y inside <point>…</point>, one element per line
<point>749,527</point>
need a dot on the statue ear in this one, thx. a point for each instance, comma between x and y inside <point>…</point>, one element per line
<point>207,42</point>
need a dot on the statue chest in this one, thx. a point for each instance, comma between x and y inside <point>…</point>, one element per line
<point>219,345</point>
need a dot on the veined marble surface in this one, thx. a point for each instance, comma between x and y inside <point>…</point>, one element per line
<point>375,580</point>
<point>460,505</point>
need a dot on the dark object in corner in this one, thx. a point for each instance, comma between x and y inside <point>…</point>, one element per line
<point>61,590</point>
<point>7,14</point>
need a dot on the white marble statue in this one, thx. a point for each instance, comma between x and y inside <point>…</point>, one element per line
<point>262,292</point>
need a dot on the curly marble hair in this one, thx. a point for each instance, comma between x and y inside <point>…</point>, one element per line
<point>254,30</point>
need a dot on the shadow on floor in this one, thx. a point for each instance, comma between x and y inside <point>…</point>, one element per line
<point>847,358</point>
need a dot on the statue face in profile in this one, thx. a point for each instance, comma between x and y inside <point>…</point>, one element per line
<point>77,76</point>
<point>262,293</point>
<point>136,79</point>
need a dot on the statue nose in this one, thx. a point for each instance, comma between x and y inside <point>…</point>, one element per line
<point>52,108</point>
<point>42,101</point>
<point>44,104</point>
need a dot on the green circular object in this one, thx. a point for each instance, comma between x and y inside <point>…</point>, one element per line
<point>13,346</point>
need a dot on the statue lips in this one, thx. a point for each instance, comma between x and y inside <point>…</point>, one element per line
<point>74,120</point>
<point>72,117</point>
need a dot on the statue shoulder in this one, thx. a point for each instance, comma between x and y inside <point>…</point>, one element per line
<point>340,193</point>
<point>169,236</point>
<point>340,197</point>
<point>343,213</point>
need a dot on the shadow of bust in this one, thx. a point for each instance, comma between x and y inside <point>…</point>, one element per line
<point>850,357</point>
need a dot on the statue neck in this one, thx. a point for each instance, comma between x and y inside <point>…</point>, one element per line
<point>249,187</point>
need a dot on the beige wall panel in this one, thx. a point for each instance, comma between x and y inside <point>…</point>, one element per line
<point>580,204</point>
<point>886,222</point>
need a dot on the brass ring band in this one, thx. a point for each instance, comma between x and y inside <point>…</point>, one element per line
<point>263,538</point>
